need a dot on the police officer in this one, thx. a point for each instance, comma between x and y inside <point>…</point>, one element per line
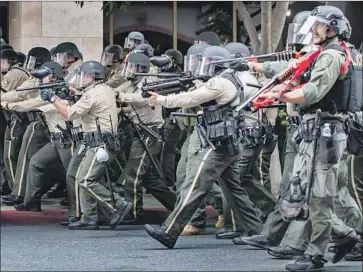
<point>21,58</point>
<point>33,137</point>
<point>325,90</point>
<point>13,77</point>
<point>68,56</point>
<point>218,97</point>
<point>47,156</point>
<point>275,227</point>
<point>138,171</point>
<point>111,58</point>
<point>89,162</point>
<point>133,39</point>
<point>148,51</point>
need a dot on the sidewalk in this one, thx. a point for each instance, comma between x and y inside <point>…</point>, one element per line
<point>53,213</point>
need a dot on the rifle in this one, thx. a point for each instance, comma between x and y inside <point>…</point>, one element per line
<point>44,86</point>
<point>160,74</point>
<point>279,56</point>
<point>168,86</point>
<point>290,73</point>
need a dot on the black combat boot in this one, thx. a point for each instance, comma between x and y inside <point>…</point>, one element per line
<point>285,252</point>
<point>158,233</point>
<point>307,263</point>
<point>259,241</point>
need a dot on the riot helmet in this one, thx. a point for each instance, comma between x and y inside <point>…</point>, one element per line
<point>67,52</point>
<point>347,32</point>
<point>36,57</point>
<point>238,50</point>
<point>136,63</point>
<point>112,54</point>
<point>2,41</point>
<point>49,71</point>
<point>53,55</point>
<point>169,61</point>
<point>208,37</point>
<point>324,23</point>
<point>85,75</point>
<point>6,46</point>
<point>21,58</point>
<point>133,39</point>
<point>8,58</point>
<point>193,57</point>
<point>209,54</point>
<point>293,39</point>
<point>145,49</point>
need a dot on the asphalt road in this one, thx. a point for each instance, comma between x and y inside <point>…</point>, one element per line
<point>129,248</point>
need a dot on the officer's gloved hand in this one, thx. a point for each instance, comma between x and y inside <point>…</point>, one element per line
<point>239,65</point>
<point>47,94</point>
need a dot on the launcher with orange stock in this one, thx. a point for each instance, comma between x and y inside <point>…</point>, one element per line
<point>292,75</point>
<point>278,56</point>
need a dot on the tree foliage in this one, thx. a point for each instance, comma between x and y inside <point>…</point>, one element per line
<point>110,6</point>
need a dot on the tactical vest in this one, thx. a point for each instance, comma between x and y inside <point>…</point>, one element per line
<point>219,120</point>
<point>343,97</point>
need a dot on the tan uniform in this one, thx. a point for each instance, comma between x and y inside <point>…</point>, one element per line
<point>13,79</point>
<point>131,94</point>
<point>17,96</point>
<point>84,169</point>
<point>115,79</point>
<point>138,170</point>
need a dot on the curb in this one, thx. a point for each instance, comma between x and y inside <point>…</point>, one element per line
<point>13,217</point>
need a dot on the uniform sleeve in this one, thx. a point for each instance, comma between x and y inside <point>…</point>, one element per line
<point>134,99</point>
<point>81,107</point>
<point>15,96</point>
<point>116,80</point>
<point>190,99</point>
<point>323,76</point>
<point>27,105</point>
<point>271,68</point>
<point>9,81</point>
<point>47,108</point>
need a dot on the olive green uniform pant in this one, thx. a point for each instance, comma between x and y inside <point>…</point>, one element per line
<point>13,140</point>
<point>139,173</point>
<point>203,169</point>
<point>3,180</point>
<point>34,139</point>
<point>214,198</point>
<point>355,184</point>
<point>325,187</point>
<point>275,227</point>
<point>47,157</point>
<point>85,191</point>
<point>168,156</point>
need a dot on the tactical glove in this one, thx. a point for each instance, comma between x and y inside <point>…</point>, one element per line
<point>239,66</point>
<point>47,94</point>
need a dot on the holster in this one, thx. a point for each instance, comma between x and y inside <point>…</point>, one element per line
<point>112,141</point>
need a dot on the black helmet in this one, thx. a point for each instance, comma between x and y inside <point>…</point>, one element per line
<point>67,47</point>
<point>145,49</point>
<point>6,46</point>
<point>21,58</point>
<point>134,38</point>
<point>136,63</point>
<point>116,50</point>
<point>293,39</point>
<point>211,53</point>
<point>94,68</point>
<point>176,55</point>
<point>238,50</point>
<point>194,53</point>
<point>36,57</point>
<point>48,68</point>
<point>2,41</point>
<point>208,37</point>
<point>10,55</point>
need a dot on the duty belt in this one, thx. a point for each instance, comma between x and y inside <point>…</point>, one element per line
<point>112,141</point>
<point>35,116</point>
<point>55,136</point>
<point>19,116</point>
<point>293,121</point>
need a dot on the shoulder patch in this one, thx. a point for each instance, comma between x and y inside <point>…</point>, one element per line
<point>5,82</point>
<point>325,60</point>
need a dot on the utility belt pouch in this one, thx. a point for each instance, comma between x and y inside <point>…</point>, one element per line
<point>306,130</point>
<point>258,134</point>
<point>328,144</point>
<point>269,133</point>
<point>354,130</point>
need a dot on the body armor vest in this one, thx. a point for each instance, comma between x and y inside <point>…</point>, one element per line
<point>219,120</point>
<point>343,97</point>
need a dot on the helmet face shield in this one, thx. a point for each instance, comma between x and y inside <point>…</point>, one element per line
<point>107,59</point>
<point>191,63</point>
<point>311,24</point>
<point>129,43</point>
<point>205,67</point>
<point>62,59</point>
<point>292,33</point>
<point>129,70</point>
<point>84,79</point>
<point>71,78</point>
<point>30,63</point>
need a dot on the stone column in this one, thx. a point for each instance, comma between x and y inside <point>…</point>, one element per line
<point>47,24</point>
